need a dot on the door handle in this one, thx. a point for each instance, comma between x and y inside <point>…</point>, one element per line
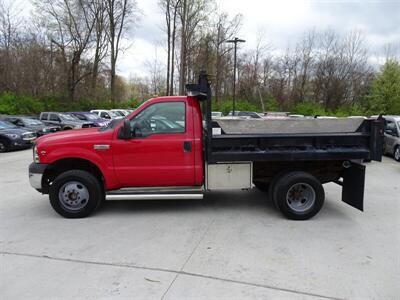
<point>187,146</point>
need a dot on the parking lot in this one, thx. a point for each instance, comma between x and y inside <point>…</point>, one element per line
<point>227,246</point>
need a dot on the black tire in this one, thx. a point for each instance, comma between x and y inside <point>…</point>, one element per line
<point>4,145</point>
<point>396,153</point>
<point>85,182</point>
<point>262,186</point>
<point>303,185</point>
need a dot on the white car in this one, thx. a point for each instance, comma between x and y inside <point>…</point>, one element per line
<point>121,112</point>
<point>106,114</point>
<point>216,114</point>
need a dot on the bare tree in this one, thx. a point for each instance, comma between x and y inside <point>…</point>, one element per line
<point>9,30</point>
<point>120,18</point>
<point>99,14</point>
<point>70,27</point>
<point>192,14</point>
<point>224,29</point>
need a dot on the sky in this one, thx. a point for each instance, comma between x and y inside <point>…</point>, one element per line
<point>281,22</point>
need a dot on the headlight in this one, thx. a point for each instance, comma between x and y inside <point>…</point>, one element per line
<point>46,130</point>
<point>36,158</point>
<point>12,135</point>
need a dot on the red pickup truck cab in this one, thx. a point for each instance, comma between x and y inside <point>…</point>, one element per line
<point>164,150</point>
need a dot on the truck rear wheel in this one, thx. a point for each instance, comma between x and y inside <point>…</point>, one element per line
<point>75,194</point>
<point>298,195</point>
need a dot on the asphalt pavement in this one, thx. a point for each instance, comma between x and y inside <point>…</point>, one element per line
<point>231,245</point>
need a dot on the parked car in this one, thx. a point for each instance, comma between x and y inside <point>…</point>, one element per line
<point>216,114</point>
<point>64,120</point>
<point>12,137</point>
<point>276,115</point>
<point>296,116</point>
<point>325,117</point>
<point>106,114</point>
<point>392,136</point>
<point>31,124</point>
<point>121,112</point>
<point>90,117</point>
<point>248,114</point>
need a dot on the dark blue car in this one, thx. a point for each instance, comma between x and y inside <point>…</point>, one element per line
<point>12,137</point>
<point>88,116</point>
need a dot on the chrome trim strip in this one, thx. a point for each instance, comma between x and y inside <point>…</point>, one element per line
<point>154,197</point>
<point>101,147</point>
<point>159,190</point>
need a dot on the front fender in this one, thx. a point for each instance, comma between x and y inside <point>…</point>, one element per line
<point>102,160</point>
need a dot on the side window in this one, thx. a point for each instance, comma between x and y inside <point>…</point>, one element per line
<point>105,115</point>
<point>168,117</point>
<point>44,116</point>
<point>389,126</point>
<point>54,117</point>
<point>80,117</point>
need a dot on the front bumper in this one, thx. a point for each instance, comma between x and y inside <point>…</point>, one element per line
<point>36,174</point>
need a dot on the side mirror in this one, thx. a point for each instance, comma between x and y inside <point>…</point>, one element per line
<point>125,132</point>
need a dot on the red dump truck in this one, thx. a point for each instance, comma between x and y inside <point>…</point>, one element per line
<point>170,148</point>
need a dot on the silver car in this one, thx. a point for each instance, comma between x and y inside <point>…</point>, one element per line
<point>392,136</point>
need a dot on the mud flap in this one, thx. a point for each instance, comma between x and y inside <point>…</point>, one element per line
<point>353,186</point>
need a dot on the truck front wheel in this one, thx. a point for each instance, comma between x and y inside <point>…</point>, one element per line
<point>298,195</point>
<point>75,194</point>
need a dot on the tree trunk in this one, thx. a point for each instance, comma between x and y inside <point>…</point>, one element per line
<point>182,71</point>
<point>168,20</point>
<point>171,89</point>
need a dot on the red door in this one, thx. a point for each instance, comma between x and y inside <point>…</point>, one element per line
<point>160,152</point>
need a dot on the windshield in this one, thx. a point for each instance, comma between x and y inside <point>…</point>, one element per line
<point>6,125</point>
<point>91,116</point>
<point>29,121</point>
<point>68,117</point>
<point>118,113</point>
<point>113,114</point>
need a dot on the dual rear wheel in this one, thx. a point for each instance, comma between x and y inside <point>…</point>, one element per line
<point>298,195</point>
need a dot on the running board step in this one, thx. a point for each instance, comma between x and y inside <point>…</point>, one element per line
<point>120,196</point>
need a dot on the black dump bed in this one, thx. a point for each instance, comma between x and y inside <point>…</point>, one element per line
<point>288,139</point>
<point>295,139</point>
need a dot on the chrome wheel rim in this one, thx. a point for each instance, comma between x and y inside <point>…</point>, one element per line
<point>300,197</point>
<point>73,196</point>
<point>2,147</point>
<point>397,153</point>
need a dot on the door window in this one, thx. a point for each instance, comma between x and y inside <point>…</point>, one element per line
<point>44,116</point>
<point>105,115</point>
<point>391,128</point>
<point>55,118</point>
<point>160,118</point>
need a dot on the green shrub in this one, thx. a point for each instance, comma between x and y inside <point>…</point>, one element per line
<point>308,109</point>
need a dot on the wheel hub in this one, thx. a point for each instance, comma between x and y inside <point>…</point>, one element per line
<point>73,196</point>
<point>300,197</point>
